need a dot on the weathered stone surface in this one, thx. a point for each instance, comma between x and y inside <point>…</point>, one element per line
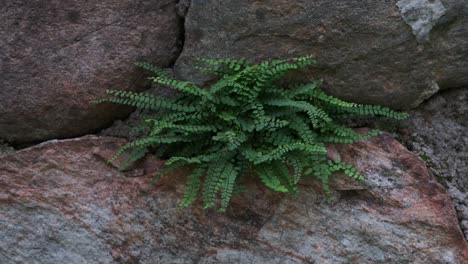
<point>58,55</point>
<point>438,132</point>
<point>395,53</point>
<point>5,149</point>
<point>62,203</point>
<point>421,15</point>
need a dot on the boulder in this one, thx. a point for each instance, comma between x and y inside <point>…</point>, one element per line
<point>394,53</point>
<point>58,55</point>
<point>61,202</point>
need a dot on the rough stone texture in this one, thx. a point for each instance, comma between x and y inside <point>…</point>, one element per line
<point>367,50</point>
<point>58,55</point>
<point>182,7</point>
<point>62,203</point>
<point>5,149</point>
<point>438,132</point>
<point>421,15</point>
<point>451,43</point>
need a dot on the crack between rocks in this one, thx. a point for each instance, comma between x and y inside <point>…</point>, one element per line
<point>181,37</point>
<point>441,90</point>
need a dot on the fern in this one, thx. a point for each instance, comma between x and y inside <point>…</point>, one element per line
<point>247,121</point>
<point>192,187</point>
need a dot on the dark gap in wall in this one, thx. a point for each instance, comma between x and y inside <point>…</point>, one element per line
<point>182,8</point>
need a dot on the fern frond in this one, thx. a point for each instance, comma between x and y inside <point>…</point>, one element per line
<point>183,86</point>
<point>158,126</point>
<point>315,114</point>
<point>233,140</point>
<point>334,133</point>
<point>268,177</point>
<point>276,153</point>
<point>303,129</point>
<point>228,181</point>
<point>136,154</point>
<point>192,187</point>
<point>302,89</point>
<point>151,68</point>
<point>144,101</point>
<point>213,182</point>
<point>198,159</point>
<point>283,172</point>
<point>297,166</point>
<point>223,66</point>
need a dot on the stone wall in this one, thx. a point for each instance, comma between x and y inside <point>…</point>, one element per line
<point>61,202</point>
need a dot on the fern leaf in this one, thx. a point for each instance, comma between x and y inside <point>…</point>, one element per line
<point>150,67</point>
<point>192,187</point>
<point>228,181</point>
<point>136,154</point>
<point>145,101</point>
<point>213,181</point>
<point>268,177</point>
<point>182,86</point>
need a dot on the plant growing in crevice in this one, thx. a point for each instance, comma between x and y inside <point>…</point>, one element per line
<point>248,121</point>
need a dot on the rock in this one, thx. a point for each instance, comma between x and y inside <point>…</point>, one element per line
<point>437,131</point>
<point>421,15</point>
<point>182,7</point>
<point>395,53</point>
<point>5,149</point>
<point>57,56</point>
<point>62,203</point>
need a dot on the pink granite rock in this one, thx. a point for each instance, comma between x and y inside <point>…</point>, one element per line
<point>61,202</point>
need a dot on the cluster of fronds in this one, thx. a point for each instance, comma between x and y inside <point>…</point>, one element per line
<point>245,122</point>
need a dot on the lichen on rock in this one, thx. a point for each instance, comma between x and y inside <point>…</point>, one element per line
<point>421,15</point>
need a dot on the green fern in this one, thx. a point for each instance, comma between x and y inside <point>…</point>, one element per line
<point>245,122</point>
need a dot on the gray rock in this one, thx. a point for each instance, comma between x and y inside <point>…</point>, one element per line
<point>67,241</point>
<point>5,149</point>
<point>368,51</point>
<point>421,15</point>
<point>58,55</point>
<point>438,131</point>
<point>182,7</point>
